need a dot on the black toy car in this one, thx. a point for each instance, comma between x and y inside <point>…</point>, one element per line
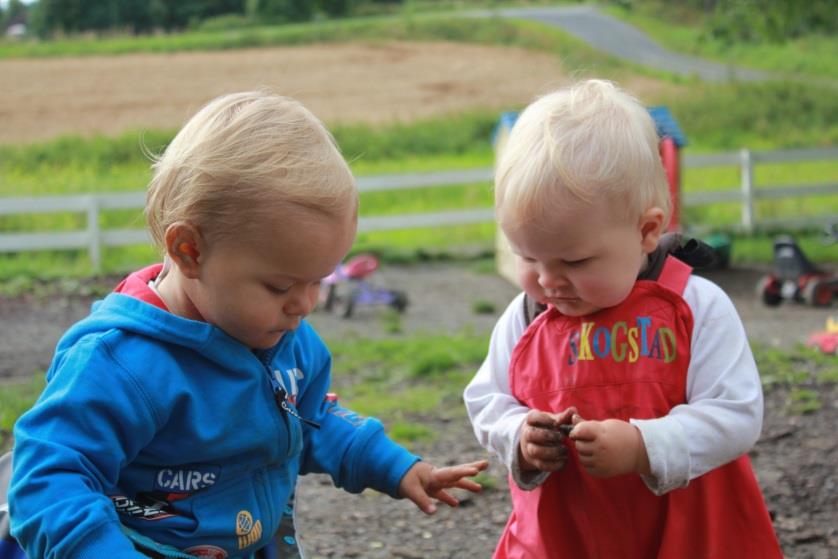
<point>795,278</point>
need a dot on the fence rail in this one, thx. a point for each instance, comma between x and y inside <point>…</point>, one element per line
<point>94,238</point>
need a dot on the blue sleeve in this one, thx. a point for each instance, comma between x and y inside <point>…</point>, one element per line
<point>91,419</point>
<point>354,450</point>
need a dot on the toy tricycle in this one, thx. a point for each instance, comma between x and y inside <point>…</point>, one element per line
<point>795,278</point>
<point>347,287</point>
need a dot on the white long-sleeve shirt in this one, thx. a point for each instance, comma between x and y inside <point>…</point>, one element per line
<point>721,420</point>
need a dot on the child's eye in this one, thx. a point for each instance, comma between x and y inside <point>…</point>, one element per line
<point>277,289</point>
<point>577,262</point>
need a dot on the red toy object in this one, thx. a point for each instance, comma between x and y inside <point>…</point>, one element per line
<point>795,278</point>
<point>348,288</point>
<point>826,341</point>
<point>671,164</point>
<point>360,266</point>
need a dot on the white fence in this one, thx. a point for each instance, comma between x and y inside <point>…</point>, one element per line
<point>94,238</point>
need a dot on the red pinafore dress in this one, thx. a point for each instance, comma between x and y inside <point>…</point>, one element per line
<point>629,361</point>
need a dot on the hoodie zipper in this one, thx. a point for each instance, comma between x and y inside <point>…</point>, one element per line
<point>280,394</point>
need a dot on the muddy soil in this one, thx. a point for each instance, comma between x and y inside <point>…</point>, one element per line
<point>794,460</point>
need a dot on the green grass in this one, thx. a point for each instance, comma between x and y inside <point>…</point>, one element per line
<point>812,56</point>
<point>800,372</point>
<point>724,216</point>
<point>399,379</point>
<point>16,398</point>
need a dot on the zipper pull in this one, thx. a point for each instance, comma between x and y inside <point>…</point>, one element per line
<point>281,398</point>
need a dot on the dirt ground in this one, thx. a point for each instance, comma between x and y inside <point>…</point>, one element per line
<point>794,460</point>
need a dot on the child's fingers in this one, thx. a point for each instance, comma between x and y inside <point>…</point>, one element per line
<point>421,500</point>
<point>446,498</point>
<point>542,434</point>
<point>547,459</point>
<point>452,474</point>
<point>566,416</point>
<point>584,430</point>
<point>539,418</point>
<point>479,465</point>
<point>469,485</point>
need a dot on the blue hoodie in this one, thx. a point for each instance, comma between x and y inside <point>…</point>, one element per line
<point>167,427</point>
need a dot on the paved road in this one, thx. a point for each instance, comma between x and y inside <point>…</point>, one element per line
<point>624,41</point>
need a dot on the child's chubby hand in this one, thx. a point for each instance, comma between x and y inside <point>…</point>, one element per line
<point>609,448</point>
<point>422,483</point>
<point>541,446</point>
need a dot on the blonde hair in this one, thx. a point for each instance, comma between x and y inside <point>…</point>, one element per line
<point>241,158</point>
<point>591,141</point>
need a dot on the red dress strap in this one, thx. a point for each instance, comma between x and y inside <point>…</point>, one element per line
<point>675,274</point>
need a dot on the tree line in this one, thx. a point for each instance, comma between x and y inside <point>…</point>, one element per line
<point>753,21</point>
<point>728,20</point>
<point>47,18</point>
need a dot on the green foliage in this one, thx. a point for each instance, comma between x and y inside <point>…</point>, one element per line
<point>283,11</point>
<point>73,16</point>
<point>799,371</point>
<point>454,135</point>
<point>745,20</point>
<point>684,27</point>
<point>799,367</point>
<point>757,115</point>
<point>399,377</point>
<point>391,320</point>
<point>16,398</point>
<point>434,27</point>
<point>770,20</point>
<point>396,360</point>
<point>803,400</point>
<point>410,432</point>
<point>487,481</point>
<point>482,306</point>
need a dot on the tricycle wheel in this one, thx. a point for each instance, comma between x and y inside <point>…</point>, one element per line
<point>331,295</point>
<point>399,301</point>
<point>768,290</point>
<point>819,293</point>
<point>346,306</point>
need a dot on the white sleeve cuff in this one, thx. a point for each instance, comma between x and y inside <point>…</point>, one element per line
<point>669,456</point>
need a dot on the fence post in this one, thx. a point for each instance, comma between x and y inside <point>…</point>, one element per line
<point>746,173</point>
<point>94,232</point>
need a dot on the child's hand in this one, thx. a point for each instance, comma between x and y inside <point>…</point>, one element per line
<point>541,445</point>
<point>610,448</point>
<point>423,482</point>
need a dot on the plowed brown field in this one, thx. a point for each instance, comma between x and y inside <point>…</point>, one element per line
<point>376,83</point>
<point>372,83</point>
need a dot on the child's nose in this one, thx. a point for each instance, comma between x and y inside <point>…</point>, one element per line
<point>301,301</point>
<point>551,280</point>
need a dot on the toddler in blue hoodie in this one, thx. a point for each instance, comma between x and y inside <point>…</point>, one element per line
<point>178,414</point>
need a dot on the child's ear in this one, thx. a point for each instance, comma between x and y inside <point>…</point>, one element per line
<point>183,246</point>
<point>651,229</point>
